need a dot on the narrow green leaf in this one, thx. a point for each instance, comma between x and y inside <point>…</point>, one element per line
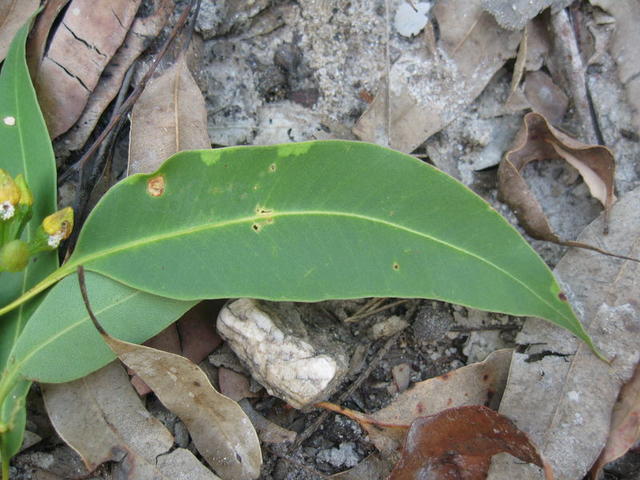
<point>24,148</point>
<point>313,221</point>
<point>60,344</point>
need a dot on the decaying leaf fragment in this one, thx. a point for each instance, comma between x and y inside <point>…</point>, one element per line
<point>458,443</point>
<point>625,425</point>
<point>537,140</point>
<point>220,430</point>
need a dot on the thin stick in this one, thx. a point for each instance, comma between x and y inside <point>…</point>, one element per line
<point>356,316</point>
<point>87,304</point>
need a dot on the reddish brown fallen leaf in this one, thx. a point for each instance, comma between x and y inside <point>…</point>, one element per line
<point>625,425</point>
<point>13,14</point>
<point>458,443</point>
<point>537,140</point>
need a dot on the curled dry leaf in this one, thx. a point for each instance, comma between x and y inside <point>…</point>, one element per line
<point>458,443</point>
<point>476,384</point>
<point>87,37</point>
<point>220,430</point>
<point>13,14</point>
<point>537,140</point>
<point>102,419</point>
<point>625,425</point>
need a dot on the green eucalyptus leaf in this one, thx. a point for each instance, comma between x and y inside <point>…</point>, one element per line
<point>60,344</point>
<point>25,148</point>
<point>313,221</point>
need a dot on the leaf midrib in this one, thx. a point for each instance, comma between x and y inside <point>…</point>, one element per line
<point>83,260</point>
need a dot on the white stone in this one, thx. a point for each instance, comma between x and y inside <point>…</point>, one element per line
<point>292,362</point>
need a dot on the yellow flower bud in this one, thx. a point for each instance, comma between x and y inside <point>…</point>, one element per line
<point>9,195</point>
<point>58,226</point>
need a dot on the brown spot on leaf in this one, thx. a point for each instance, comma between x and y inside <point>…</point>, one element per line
<point>272,168</point>
<point>562,296</point>
<point>155,186</point>
<point>396,266</point>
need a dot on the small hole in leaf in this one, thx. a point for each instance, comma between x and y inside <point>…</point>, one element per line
<point>396,266</point>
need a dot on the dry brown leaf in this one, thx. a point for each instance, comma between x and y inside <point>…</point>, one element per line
<point>83,44</point>
<point>476,384</point>
<point>234,385</point>
<point>142,32</point>
<point>537,140</point>
<point>558,391</point>
<point>13,14</point>
<point>427,91</point>
<point>220,430</point>
<point>268,431</point>
<point>624,47</point>
<point>102,419</point>
<point>37,41</point>
<point>625,425</point>
<point>170,116</point>
<point>545,96</point>
<point>458,443</point>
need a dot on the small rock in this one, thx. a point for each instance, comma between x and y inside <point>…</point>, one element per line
<point>409,21</point>
<point>481,343</point>
<point>210,18</point>
<point>433,321</point>
<point>298,354</point>
<point>387,328</point>
<point>344,456</point>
